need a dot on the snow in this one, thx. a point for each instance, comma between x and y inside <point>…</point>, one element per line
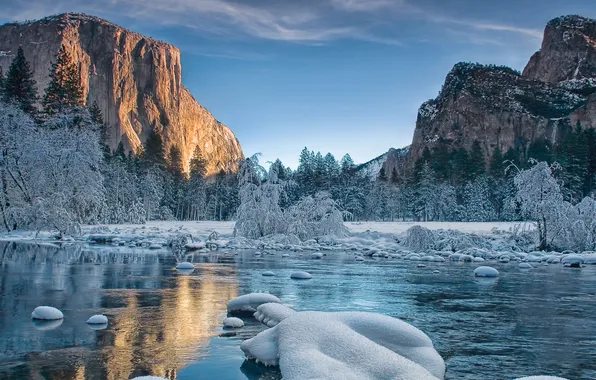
<point>233,322</point>
<point>268,273</point>
<point>47,313</point>
<point>250,302</point>
<point>271,314</point>
<point>185,265</point>
<point>524,266</point>
<point>98,319</point>
<point>401,227</point>
<point>301,275</point>
<point>541,378</point>
<point>346,346</point>
<point>486,272</point>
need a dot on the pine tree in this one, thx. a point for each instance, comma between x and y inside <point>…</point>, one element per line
<point>198,164</point>
<point>19,85</point>
<point>154,152</point>
<point>175,164</point>
<point>477,162</point>
<point>497,165</point>
<point>65,89</point>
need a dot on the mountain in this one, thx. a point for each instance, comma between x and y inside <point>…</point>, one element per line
<point>135,80</point>
<point>500,107</point>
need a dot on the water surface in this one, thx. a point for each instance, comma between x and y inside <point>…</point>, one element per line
<point>166,323</point>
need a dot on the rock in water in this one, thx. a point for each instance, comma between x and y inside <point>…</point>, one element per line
<point>486,272</point>
<point>135,80</point>
<point>524,266</point>
<point>233,322</point>
<point>98,319</point>
<point>185,265</point>
<point>268,274</point>
<point>301,275</point>
<point>46,313</point>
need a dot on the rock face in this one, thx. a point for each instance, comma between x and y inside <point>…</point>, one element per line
<point>501,107</point>
<point>135,80</point>
<point>568,51</point>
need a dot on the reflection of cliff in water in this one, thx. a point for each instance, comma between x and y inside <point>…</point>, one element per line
<point>160,321</point>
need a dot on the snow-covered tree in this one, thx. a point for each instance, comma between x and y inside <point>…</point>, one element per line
<point>315,216</point>
<point>259,213</point>
<point>540,199</point>
<point>477,200</point>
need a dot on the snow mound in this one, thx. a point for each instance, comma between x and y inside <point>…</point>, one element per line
<point>271,314</point>
<point>346,346</point>
<point>541,378</point>
<point>316,255</point>
<point>572,259</point>
<point>185,265</point>
<point>478,260</point>
<point>359,258</point>
<point>47,313</point>
<point>524,266</point>
<point>301,275</point>
<point>268,273</point>
<point>195,246</point>
<point>250,302</point>
<point>233,322</point>
<point>486,272</point>
<point>98,319</point>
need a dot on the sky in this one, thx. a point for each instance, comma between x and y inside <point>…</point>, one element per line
<point>339,76</point>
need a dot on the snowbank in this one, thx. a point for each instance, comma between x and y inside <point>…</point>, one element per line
<point>486,272</point>
<point>346,346</point>
<point>250,302</point>
<point>233,322</point>
<point>47,313</point>
<point>98,319</point>
<point>271,314</point>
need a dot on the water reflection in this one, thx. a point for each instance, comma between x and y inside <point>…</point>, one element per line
<point>159,320</point>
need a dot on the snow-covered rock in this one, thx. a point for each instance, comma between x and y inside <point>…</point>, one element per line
<point>250,302</point>
<point>301,275</point>
<point>268,273</point>
<point>359,258</point>
<point>478,260</point>
<point>195,246</point>
<point>271,314</point>
<point>316,255</point>
<point>541,378</point>
<point>285,255</point>
<point>486,272</point>
<point>98,319</point>
<point>524,266</point>
<point>47,313</point>
<point>233,322</point>
<point>572,259</point>
<point>346,346</point>
<point>185,265</point>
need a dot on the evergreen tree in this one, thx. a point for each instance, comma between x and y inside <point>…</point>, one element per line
<point>198,164</point>
<point>65,89</point>
<point>541,150</point>
<point>497,164</point>
<point>19,85</point>
<point>154,151</point>
<point>175,163</point>
<point>477,164</point>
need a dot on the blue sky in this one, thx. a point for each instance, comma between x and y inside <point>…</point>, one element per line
<point>345,76</point>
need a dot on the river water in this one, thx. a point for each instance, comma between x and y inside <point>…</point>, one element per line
<point>165,323</point>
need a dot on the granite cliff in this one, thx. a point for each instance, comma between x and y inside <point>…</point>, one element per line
<point>498,106</point>
<point>135,80</point>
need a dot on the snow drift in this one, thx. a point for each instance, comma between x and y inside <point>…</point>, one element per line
<point>346,346</point>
